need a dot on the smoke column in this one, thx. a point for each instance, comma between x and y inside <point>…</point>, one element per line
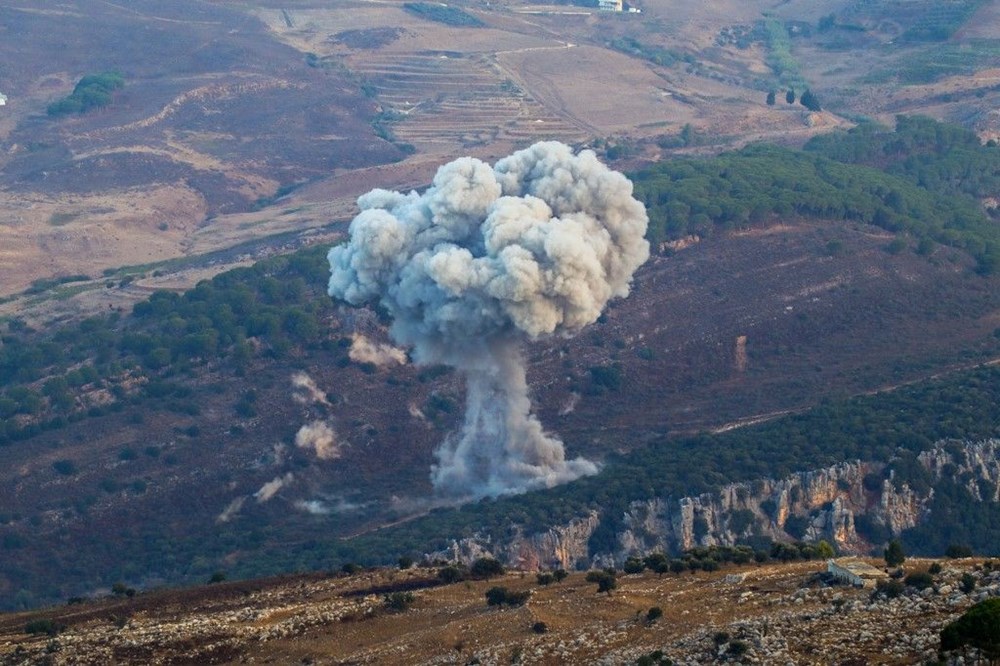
<point>486,258</point>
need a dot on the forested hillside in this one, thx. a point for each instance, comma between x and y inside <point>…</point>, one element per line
<point>924,181</point>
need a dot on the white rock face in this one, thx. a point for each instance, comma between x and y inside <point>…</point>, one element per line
<point>813,505</point>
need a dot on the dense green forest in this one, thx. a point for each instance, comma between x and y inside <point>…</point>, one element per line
<point>280,302</point>
<point>921,181</point>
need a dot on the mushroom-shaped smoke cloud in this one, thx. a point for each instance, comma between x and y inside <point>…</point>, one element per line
<point>487,257</point>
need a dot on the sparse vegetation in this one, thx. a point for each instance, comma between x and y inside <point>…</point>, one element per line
<point>441,13</point>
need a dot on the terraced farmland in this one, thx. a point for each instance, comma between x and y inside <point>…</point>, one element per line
<point>439,99</point>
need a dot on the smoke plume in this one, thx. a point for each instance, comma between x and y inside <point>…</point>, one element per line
<point>364,350</point>
<point>487,257</point>
<point>305,391</point>
<point>319,438</point>
<point>271,488</point>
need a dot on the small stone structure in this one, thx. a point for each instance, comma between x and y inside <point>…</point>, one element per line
<point>854,571</point>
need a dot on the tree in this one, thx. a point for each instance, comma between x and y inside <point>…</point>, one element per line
<point>496,596</point>
<point>485,568</point>
<point>824,550</point>
<point>606,580</point>
<point>979,628</point>
<point>771,97</point>
<point>654,614</point>
<point>894,555</point>
<point>809,101</point>
<point>450,574</point>
<point>397,602</point>
<point>633,565</point>
<point>790,96</point>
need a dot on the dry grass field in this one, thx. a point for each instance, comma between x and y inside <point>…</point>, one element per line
<point>753,614</point>
<point>228,104</point>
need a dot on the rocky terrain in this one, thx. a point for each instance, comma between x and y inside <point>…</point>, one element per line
<point>822,504</point>
<point>760,614</point>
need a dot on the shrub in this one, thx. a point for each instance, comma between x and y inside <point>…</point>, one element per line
<point>968,583</point>
<point>633,565</point>
<point>921,580</point>
<point>890,588</point>
<point>545,578</point>
<point>955,551</point>
<point>450,574</point>
<point>485,568</point>
<point>501,596</point>
<point>654,614</point>
<point>540,627</point>
<point>44,626</point>
<point>398,602</point>
<point>65,467</point>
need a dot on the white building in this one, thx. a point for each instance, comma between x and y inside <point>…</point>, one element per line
<point>609,5</point>
<point>3,99</point>
<point>855,572</point>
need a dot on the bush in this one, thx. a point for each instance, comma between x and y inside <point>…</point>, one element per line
<point>545,578</point>
<point>44,626</point>
<point>889,588</point>
<point>968,583</point>
<point>955,551</point>
<point>540,628</point>
<point>450,574</point>
<point>398,602</point>
<point>485,568</point>
<point>633,565</point>
<point>501,596</point>
<point>65,467</point>
<point>654,614</point>
<point>920,580</point>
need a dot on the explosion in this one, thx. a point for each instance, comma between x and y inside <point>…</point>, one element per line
<point>487,258</point>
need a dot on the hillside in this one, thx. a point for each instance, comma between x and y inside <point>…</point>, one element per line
<point>234,426</point>
<point>771,613</point>
<point>179,396</point>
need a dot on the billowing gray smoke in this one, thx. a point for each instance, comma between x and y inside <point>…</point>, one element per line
<point>533,247</point>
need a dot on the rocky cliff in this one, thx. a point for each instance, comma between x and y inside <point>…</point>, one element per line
<point>845,504</point>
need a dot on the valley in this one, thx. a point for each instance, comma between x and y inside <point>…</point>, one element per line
<point>179,396</point>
